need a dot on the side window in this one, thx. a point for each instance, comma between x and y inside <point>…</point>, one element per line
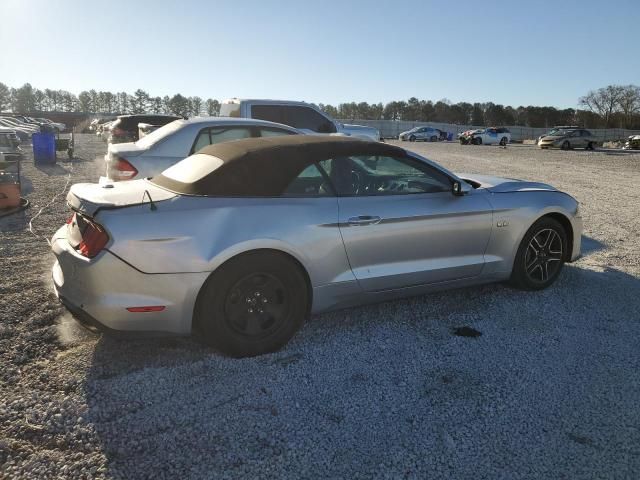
<point>202,140</point>
<point>273,132</point>
<point>307,118</point>
<point>213,135</point>
<point>309,183</point>
<point>270,113</point>
<point>382,175</point>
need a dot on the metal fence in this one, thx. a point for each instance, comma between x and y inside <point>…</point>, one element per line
<point>392,128</point>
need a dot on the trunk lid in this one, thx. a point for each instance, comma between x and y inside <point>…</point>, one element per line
<point>129,149</point>
<point>88,198</point>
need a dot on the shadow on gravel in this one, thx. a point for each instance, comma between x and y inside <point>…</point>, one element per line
<point>172,406</point>
<point>51,170</point>
<point>15,222</point>
<point>591,245</point>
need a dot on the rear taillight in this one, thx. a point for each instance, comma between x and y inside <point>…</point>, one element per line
<point>94,238</point>
<point>124,170</point>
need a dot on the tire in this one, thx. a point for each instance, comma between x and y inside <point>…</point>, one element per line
<point>412,138</point>
<point>253,304</point>
<point>590,146</point>
<point>433,139</point>
<point>538,264</point>
<point>503,142</point>
<point>477,141</point>
<point>566,145</point>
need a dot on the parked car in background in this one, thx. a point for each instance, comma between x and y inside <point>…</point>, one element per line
<point>486,136</point>
<point>175,141</point>
<point>633,143</point>
<point>10,145</point>
<point>426,134</point>
<point>557,128</point>
<point>57,125</point>
<point>568,138</point>
<point>304,116</point>
<point>125,127</point>
<point>242,240</point>
<point>24,132</point>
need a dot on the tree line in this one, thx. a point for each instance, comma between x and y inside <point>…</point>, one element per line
<point>27,99</point>
<point>614,106</point>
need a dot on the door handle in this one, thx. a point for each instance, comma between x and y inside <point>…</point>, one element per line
<point>364,220</point>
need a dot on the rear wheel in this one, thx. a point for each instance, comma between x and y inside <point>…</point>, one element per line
<point>412,138</point>
<point>566,145</point>
<point>503,142</point>
<point>541,255</point>
<point>590,146</point>
<point>253,304</point>
<point>477,141</point>
<point>433,139</point>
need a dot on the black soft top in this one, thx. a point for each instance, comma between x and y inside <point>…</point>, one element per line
<point>266,166</point>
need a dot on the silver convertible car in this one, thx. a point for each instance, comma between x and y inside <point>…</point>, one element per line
<point>243,240</point>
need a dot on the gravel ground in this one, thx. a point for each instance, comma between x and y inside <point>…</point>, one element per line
<point>551,389</point>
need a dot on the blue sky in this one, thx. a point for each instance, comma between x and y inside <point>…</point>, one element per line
<point>325,51</point>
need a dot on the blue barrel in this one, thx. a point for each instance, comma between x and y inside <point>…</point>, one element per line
<point>44,148</point>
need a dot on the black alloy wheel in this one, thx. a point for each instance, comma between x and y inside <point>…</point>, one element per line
<point>541,255</point>
<point>544,255</point>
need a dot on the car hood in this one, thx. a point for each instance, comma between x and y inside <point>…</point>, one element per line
<point>553,137</point>
<point>504,185</point>
<point>88,198</point>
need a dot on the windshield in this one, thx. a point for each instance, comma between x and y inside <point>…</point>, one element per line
<point>157,135</point>
<point>559,131</point>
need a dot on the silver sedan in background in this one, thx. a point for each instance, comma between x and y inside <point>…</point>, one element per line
<point>241,241</point>
<point>175,141</point>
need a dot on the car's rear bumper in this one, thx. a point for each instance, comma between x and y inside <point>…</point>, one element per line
<point>100,290</point>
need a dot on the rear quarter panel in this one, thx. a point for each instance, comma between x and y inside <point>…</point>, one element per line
<point>198,234</point>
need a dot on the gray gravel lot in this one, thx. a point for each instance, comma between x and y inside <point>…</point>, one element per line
<point>551,389</point>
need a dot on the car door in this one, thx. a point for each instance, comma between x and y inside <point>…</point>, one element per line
<point>401,224</point>
<point>491,136</point>
<point>576,139</point>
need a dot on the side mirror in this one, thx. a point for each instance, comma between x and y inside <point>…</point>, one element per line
<point>460,188</point>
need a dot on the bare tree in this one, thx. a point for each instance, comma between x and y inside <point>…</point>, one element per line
<point>195,104</point>
<point>604,101</point>
<point>629,104</point>
<point>213,107</point>
<point>5,96</point>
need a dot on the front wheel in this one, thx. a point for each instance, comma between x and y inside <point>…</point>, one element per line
<point>590,146</point>
<point>477,141</point>
<point>541,255</point>
<point>503,142</point>
<point>433,139</point>
<point>566,145</point>
<point>253,304</point>
<point>412,138</point>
